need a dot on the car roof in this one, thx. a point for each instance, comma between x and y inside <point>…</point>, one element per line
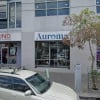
<point>17,73</point>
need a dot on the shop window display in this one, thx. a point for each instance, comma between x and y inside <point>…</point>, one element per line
<point>52,54</point>
<point>8,53</point>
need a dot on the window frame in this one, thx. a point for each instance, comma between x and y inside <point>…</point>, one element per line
<point>98,6</point>
<point>97,57</point>
<point>61,59</point>
<point>12,81</point>
<point>10,47</point>
<point>46,2</point>
<point>4,81</point>
<point>3,18</point>
<point>21,81</point>
<point>5,11</point>
<point>15,14</point>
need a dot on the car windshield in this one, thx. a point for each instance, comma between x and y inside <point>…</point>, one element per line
<point>39,83</point>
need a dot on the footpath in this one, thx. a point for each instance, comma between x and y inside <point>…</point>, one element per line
<point>90,95</point>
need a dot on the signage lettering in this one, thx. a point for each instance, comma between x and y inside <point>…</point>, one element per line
<point>5,36</point>
<point>50,36</point>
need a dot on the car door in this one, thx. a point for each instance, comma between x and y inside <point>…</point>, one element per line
<point>21,96</point>
<point>19,89</point>
<point>5,94</point>
<point>9,94</point>
<point>5,87</point>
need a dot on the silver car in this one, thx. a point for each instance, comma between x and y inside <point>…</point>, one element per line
<point>29,85</point>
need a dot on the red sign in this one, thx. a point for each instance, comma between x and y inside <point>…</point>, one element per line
<point>5,36</point>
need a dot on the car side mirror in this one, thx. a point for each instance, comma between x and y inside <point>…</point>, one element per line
<point>28,93</point>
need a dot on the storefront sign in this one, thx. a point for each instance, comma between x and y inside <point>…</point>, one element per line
<point>5,36</point>
<point>50,35</point>
<point>10,36</point>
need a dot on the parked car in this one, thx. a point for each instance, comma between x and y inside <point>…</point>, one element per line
<point>30,85</point>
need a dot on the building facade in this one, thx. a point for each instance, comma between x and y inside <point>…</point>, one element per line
<point>31,34</point>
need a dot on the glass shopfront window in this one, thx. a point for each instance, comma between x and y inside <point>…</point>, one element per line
<point>52,54</point>
<point>98,57</point>
<point>8,53</point>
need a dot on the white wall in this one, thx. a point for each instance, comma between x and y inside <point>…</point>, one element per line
<point>28,33</point>
<point>82,57</point>
<point>78,5</point>
<point>49,23</point>
<point>54,23</point>
<point>31,24</point>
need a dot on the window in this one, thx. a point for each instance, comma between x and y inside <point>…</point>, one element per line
<point>51,7</point>
<point>39,83</point>
<point>98,6</point>
<point>5,82</point>
<point>14,14</point>
<point>3,11</point>
<point>13,83</point>
<point>3,16</point>
<point>19,85</point>
<point>8,53</point>
<point>52,54</point>
<point>98,57</point>
<point>18,14</point>
<point>3,23</point>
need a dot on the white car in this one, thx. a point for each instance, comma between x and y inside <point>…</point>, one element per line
<point>29,85</point>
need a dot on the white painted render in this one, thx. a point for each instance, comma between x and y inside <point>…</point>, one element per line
<point>32,24</point>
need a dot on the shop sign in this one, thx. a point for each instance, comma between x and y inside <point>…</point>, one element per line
<point>5,36</point>
<point>10,36</point>
<point>50,35</point>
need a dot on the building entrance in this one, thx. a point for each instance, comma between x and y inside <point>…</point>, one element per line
<point>10,53</point>
<point>53,56</point>
<point>4,55</point>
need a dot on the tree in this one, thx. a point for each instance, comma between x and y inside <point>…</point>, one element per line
<point>85,28</point>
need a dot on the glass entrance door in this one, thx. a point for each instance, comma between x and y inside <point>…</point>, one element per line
<point>53,54</point>
<point>4,55</point>
<point>53,57</point>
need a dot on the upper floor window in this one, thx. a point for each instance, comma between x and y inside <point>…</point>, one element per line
<point>3,11</point>
<point>10,14</point>
<point>51,7</point>
<point>98,6</point>
<point>3,15</point>
<point>14,14</point>
<point>98,57</point>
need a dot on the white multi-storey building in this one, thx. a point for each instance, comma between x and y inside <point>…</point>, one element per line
<point>31,34</point>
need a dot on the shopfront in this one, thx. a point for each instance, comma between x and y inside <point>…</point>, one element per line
<point>50,51</point>
<point>10,49</point>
